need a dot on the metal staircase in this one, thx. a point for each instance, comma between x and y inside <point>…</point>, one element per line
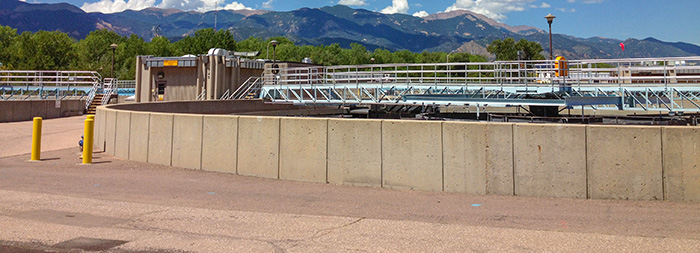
<point>100,94</point>
<point>250,89</point>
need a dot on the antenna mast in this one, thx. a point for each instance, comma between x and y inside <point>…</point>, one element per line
<point>216,11</point>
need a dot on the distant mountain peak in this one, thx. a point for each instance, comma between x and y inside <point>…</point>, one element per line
<point>249,13</point>
<point>164,12</point>
<point>521,29</point>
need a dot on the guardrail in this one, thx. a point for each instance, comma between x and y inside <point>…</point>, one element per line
<point>656,83</point>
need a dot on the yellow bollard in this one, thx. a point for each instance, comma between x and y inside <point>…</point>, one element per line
<point>36,140</point>
<point>87,141</point>
<point>92,117</point>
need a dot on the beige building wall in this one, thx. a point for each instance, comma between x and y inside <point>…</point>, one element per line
<point>209,76</point>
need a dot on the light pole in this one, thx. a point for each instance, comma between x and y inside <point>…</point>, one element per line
<point>274,50</point>
<point>550,18</point>
<point>447,59</point>
<point>114,49</point>
<point>274,70</point>
<point>267,52</point>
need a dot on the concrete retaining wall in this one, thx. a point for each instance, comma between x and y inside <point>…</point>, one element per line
<point>355,152</point>
<point>187,141</point>
<point>541,160</point>
<point>220,143</point>
<point>303,148</point>
<point>550,160</point>
<point>24,110</point>
<point>160,138</point>
<point>478,158</point>
<point>681,146</point>
<point>624,162</point>
<point>138,137</point>
<point>258,146</point>
<point>412,155</point>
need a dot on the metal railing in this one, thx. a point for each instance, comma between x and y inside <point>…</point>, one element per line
<point>659,83</point>
<point>108,89</point>
<point>251,87</point>
<point>202,95</point>
<point>38,84</point>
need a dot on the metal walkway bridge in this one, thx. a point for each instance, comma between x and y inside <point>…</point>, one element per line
<point>47,84</point>
<point>649,84</point>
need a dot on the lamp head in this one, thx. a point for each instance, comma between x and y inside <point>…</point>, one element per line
<point>550,18</point>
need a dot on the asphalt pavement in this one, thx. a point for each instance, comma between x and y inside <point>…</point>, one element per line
<point>114,205</point>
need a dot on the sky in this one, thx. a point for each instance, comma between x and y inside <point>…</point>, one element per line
<point>667,20</point>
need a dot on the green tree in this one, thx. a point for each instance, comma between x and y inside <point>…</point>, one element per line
<point>507,50</point>
<point>205,39</point>
<point>503,49</point>
<point>94,52</point>
<point>357,54</point>
<point>126,52</point>
<point>161,47</point>
<point>382,56</point>
<point>7,36</point>
<point>532,49</point>
<point>251,44</point>
<point>404,56</point>
<point>42,50</point>
<point>284,51</point>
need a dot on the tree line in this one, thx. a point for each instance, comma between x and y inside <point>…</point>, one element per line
<point>54,50</point>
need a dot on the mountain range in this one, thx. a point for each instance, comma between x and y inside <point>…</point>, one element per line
<point>461,30</point>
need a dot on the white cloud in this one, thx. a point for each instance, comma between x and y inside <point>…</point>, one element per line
<point>268,4</point>
<point>494,9</point>
<point>108,6</point>
<point>542,5</point>
<point>397,6</point>
<point>236,6</point>
<point>352,2</point>
<point>566,10</point>
<point>586,1</point>
<point>421,14</point>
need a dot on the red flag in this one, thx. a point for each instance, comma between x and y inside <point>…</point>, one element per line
<point>622,45</point>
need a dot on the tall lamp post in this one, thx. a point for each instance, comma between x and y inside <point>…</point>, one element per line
<point>550,18</point>
<point>447,60</point>
<point>274,70</point>
<point>114,49</point>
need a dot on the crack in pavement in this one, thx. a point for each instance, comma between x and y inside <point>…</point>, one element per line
<point>331,229</point>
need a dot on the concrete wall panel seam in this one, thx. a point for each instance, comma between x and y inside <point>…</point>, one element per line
<point>279,147</point>
<point>663,166</point>
<point>513,150</point>
<point>442,154</point>
<point>585,134</point>
<point>114,142</point>
<point>381,152</point>
<point>238,143</point>
<point>172,138</point>
<point>201,144</point>
<point>327,150</point>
